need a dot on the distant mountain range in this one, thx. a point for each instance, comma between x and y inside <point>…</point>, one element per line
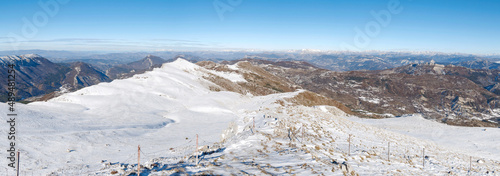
<point>127,70</point>
<point>480,64</point>
<point>370,61</point>
<point>332,60</point>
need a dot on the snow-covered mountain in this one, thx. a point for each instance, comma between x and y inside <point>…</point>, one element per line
<point>276,129</point>
<point>37,76</point>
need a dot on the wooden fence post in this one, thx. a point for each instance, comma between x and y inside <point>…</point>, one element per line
<point>303,126</point>
<point>196,149</point>
<point>254,123</point>
<point>349,140</point>
<point>388,151</point>
<point>470,163</point>
<point>423,157</point>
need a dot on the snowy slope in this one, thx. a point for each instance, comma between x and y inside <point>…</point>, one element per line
<point>480,141</point>
<point>157,110</point>
<point>314,141</point>
<point>96,130</point>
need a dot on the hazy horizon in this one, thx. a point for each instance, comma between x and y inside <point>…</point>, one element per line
<point>34,51</point>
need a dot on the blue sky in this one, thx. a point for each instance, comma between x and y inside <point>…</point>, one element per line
<point>121,25</point>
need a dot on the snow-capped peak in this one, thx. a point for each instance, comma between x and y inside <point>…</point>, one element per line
<point>183,64</point>
<point>16,58</point>
<point>20,57</point>
<point>31,55</point>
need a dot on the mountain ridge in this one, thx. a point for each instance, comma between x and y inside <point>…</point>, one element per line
<point>37,76</point>
<point>444,93</point>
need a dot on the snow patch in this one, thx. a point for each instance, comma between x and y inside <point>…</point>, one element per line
<point>233,67</point>
<point>374,100</point>
<point>234,77</point>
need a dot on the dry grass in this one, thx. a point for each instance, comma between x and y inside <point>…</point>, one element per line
<point>224,84</point>
<point>259,81</point>
<point>308,98</point>
<point>470,122</point>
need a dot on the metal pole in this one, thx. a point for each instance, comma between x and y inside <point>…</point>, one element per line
<point>18,153</point>
<point>138,160</point>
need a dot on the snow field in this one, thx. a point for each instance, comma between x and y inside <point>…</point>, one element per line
<point>313,141</point>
